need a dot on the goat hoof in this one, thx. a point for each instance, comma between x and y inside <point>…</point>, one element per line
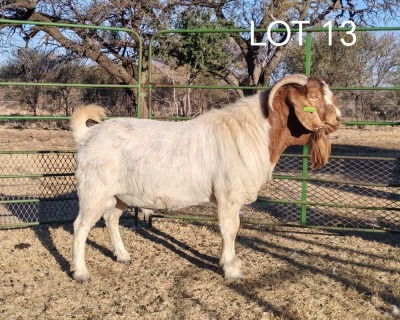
<point>232,269</point>
<point>234,275</point>
<point>81,277</point>
<point>123,256</point>
<point>124,260</point>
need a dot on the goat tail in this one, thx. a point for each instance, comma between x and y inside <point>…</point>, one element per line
<point>320,148</point>
<point>81,116</point>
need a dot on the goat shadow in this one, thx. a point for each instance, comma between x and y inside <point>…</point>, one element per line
<point>48,213</point>
<point>59,212</point>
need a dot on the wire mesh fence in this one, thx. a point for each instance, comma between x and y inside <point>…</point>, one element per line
<point>350,192</point>
<point>37,187</point>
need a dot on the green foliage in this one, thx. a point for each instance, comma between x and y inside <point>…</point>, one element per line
<point>199,52</point>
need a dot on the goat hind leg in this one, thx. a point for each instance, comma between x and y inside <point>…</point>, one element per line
<point>111,217</point>
<point>87,218</point>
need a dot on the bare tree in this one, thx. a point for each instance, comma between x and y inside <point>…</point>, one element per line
<point>30,65</point>
<point>117,52</point>
<point>67,72</point>
<point>373,61</point>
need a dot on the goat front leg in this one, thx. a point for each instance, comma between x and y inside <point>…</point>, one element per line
<point>229,221</point>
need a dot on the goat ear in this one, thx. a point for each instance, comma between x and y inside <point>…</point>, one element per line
<point>307,115</point>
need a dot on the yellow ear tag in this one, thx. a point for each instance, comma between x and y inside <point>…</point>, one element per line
<point>309,109</point>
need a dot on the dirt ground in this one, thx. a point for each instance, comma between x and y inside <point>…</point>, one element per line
<point>174,274</point>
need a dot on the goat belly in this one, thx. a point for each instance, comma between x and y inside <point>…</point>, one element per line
<point>161,202</point>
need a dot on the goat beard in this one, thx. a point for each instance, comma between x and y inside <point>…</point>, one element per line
<point>320,148</point>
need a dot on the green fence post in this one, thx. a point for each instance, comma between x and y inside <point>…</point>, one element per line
<point>305,148</point>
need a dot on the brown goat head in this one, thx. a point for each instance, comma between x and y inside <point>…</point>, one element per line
<point>302,110</point>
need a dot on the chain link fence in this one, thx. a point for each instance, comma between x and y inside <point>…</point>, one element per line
<point>350,192</point>
<point>37,187</point>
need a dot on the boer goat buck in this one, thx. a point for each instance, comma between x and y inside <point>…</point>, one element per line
<point>222,157</point>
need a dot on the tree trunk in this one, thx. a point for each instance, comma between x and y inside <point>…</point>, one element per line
<point>183,106</point>
<point>189,103</point>
<point>175,103</point>
<point>121,75</point>
<point>144,106</point>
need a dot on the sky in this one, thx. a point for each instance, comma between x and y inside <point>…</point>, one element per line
<point>8,45</point>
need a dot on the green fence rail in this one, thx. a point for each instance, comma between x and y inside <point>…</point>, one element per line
<point>351,192</point>
<point>39,187</point>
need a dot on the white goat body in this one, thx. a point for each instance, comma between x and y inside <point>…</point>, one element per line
<point>222,157</point>
<point>168,165</point>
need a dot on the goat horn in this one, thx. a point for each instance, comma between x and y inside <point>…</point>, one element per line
<point>292,79</point>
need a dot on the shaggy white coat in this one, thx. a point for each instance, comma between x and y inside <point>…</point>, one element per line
<point>221,157</point>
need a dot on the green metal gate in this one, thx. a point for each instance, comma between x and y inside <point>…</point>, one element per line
<point>351,192</point>
<point>39,186</point>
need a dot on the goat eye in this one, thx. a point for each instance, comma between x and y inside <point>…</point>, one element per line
<point>314,97</point>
